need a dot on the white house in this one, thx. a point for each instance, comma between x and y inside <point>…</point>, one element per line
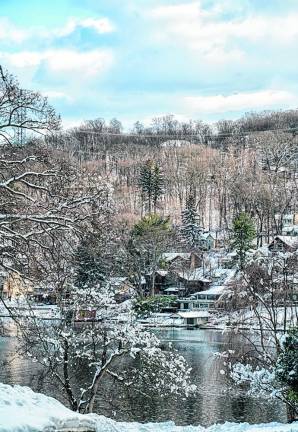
<point>194,318</point>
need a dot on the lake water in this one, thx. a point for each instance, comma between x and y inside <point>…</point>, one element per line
<point>216,401</point>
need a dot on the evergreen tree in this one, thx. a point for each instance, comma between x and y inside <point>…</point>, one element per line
<point>191,230</point>
<point>243,234</point>
<point>148,241</point>
<point>151,183</point>
<point>287,370</point>
<point>89,266</point>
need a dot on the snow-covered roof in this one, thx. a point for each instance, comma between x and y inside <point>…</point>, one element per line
<point>291,241</point>
<point>262,251</point>
<point>159,271</point>
<point>117,280</point>
<point>162,272</point>
<point>195,275</point>
<point>174,289</point>
<point>170,256</point>
<point>217,289</point>
<point>194,314</point>
<point>205,235</point>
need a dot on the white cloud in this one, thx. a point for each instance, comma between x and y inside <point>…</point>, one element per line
<point>216,38</point>
<point>263,99</point>
<point>60,61</point>
<point>100,25</point>
<point>11,33</point>
<point>68,123</point>
<point>88,63</point>
<point>53,94</point>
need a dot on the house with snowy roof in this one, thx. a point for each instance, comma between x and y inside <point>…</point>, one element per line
<point>207,241</point>
<point>206,299</point>
<point>194,318</point>
<point>283,244</point>
<point>194,280</point>
<point>179,260</point>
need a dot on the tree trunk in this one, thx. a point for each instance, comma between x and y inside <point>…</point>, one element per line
<point>291,414</point>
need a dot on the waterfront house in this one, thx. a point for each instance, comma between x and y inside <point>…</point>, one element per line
<point>194,318</point>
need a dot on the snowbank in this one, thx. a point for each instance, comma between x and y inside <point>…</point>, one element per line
<point>22,410</point>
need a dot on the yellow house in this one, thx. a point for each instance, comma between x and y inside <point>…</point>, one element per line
<point>14,286</point>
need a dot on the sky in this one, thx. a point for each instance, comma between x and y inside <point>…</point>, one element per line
<point>138,59</point>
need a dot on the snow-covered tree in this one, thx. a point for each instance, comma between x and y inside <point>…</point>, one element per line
<point>287,369</point>
<point>97,249</point>
<point>263,313</point>
<point>191,229</point>
<point>278,380</point>
<point>23,110</point>
<point>108,334</point>
<point>148,241</point>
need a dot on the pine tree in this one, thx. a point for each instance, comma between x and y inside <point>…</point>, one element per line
<point>287,370</point>
<point>243,234</point>
<point>88,264</point>
<point>191,230</point>
<point>148,241</point>
<point>151,183</point>
<point>158,185</point>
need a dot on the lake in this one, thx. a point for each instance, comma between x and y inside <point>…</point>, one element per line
<point>216,401</point>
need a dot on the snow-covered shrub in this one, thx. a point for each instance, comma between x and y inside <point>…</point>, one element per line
<point>98,345</point>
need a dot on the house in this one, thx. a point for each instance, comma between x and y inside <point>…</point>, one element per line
<point>283,244</point>
<point>194,319</point>
<point>207,241</point>
<point>290,219</point>
<point>290,224</point>
<point>290,230</point>
<point>122,288</point>
<point>163,279</point>
<point>228,260</point>
<point>182,260</point>
<point>176,291</point>
<point>46,296</point>
<point>194,280</point>
<point>206,299</point>
<point>13,285</point>
<point>86,314</point>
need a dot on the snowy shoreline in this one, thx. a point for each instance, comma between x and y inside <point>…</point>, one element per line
<point>22,410</point>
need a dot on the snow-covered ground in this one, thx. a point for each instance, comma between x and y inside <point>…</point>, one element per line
<point>22,410</point>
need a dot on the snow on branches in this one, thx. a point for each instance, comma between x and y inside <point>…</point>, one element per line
<point>97,343</point>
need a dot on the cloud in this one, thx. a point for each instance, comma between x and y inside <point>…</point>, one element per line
<point>99,25</point>
<point>216,36</point>
<point>263,99</point>
<point>60,61</point>
<point>53,94</point>
<point>9,32</point>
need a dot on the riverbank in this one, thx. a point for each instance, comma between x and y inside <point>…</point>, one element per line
<point>22,410</point>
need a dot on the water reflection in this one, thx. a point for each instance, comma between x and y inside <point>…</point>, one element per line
<point>217,401</point>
